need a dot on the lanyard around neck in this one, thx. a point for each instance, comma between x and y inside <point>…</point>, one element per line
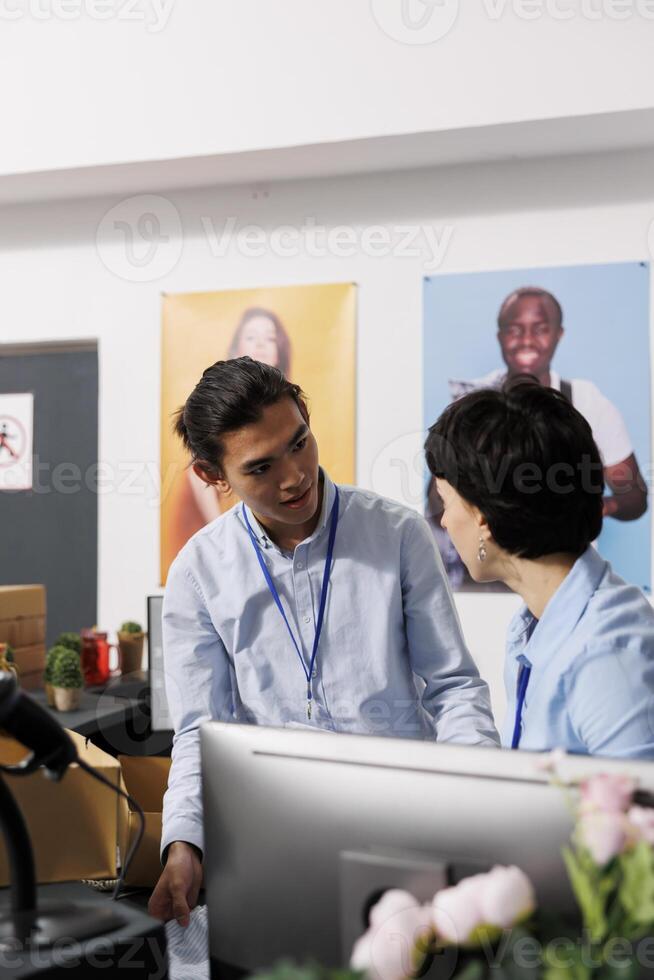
<point>523,680</point>
<point>333,524</point>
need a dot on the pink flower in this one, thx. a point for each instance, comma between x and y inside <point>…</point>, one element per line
<point>608,793</point>
<point>641,819</point>
<point>604,834</point>
<point>395,945</point>
<point>498,900</point>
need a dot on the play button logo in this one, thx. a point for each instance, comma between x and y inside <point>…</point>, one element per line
<point>415,21</point>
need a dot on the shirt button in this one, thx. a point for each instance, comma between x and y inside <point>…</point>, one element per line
<point>300,565</point>
<point>307,619</point>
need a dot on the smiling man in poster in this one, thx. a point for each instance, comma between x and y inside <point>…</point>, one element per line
<point>530,327</point>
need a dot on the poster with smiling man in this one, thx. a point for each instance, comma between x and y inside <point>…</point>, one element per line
<point>583,330</point>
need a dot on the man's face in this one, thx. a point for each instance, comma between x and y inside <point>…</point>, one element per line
<point>272,465</point>
<point>529,336</point>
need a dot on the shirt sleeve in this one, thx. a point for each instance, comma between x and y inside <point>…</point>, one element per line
<point>610,698</point>
<point>198,689</point>
<point>606,421</point>
<point>455,696</point>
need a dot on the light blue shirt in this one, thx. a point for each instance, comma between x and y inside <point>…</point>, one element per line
<point>391,661</point>
<point>591,689</point>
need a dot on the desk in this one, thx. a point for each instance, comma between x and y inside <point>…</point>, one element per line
<point>115,718</point>
<point>136,949</point>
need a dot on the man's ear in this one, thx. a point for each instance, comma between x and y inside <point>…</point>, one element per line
<point>216,479</point>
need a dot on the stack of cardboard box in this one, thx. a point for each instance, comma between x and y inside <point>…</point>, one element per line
<point>22,626</point>
<point>77,826</point>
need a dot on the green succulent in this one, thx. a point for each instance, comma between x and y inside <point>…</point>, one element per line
<point>130,627</point>
<point>66,671</point>
<point>9,654</point>
<point>73,641</point>
<point>53,656</point>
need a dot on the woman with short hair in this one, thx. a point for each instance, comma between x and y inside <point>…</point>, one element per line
<point>522,485</point>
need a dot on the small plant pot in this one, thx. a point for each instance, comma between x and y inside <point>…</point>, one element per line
<point>49,693</point>
<point>67,698</point>
<point>130,649</point>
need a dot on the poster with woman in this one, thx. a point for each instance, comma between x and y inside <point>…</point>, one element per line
<point>583,330</point>
<point>308,332</point>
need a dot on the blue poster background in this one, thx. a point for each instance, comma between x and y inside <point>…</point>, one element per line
<point>606,341</point>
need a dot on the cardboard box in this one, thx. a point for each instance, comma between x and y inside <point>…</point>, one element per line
<point>74,823</point>
<point>22,625</point>
<point>145,778</point>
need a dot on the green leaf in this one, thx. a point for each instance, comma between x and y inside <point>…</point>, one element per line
<point>636,892</point>
<point>592,889</point>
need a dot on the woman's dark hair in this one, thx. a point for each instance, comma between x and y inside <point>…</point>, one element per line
<point>281,337</point>
<point>229,396</point>
<point>527,459</point>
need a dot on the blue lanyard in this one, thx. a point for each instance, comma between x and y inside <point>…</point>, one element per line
<point>523,680</point>
<point>323,594</point>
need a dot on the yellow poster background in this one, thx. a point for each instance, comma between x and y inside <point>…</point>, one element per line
<point>198,330</point>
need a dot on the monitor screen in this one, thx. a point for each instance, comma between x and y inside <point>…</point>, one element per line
<point>161,721</point>
<point>304,829</point>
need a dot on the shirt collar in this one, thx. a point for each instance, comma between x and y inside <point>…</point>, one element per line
<point>562,613</point>
<point>261,534</point>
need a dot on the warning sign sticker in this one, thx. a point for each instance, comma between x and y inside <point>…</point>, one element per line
<point>16,441</point>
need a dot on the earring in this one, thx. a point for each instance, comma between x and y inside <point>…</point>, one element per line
<point>482,554</point>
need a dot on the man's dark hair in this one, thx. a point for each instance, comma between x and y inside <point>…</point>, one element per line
<point>230,395</point>
<point>527,459</point>
<point>518,294</point>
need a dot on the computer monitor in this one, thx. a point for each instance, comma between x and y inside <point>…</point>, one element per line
<point>303,828</point>
<point>160,715</point>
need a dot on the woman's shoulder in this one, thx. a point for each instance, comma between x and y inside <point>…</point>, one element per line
<point>618,612</point>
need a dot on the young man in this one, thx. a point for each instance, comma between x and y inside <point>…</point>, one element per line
<point>306,605</point>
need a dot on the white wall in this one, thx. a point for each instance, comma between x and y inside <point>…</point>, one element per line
<point>218,76</point>
<point>56,285</point>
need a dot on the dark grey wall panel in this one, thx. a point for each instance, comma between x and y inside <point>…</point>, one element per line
<point>50,534</point>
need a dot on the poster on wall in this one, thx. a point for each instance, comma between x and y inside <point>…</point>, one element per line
<point>16,441</point>
<point>583,330</point>
<point>308,332</point>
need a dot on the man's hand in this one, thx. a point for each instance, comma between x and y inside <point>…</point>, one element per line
<point>176,892</point>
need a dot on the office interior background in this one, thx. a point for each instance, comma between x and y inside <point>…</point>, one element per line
<point>141,142</point>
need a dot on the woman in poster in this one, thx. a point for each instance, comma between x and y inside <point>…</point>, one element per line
<point>260,335</point>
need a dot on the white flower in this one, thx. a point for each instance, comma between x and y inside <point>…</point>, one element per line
<point>507,897</point>
<point>395,944</point>
<point>498,900</point>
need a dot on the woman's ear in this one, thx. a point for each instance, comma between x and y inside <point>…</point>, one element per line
<point>214,479</point>
<point>482,523</point>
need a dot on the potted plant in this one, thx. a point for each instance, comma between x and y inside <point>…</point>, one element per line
<point>7,660</point>
<point>67,680</point>
<point>130,645</point>
<point>71,640</point>
<point>50,660</point>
